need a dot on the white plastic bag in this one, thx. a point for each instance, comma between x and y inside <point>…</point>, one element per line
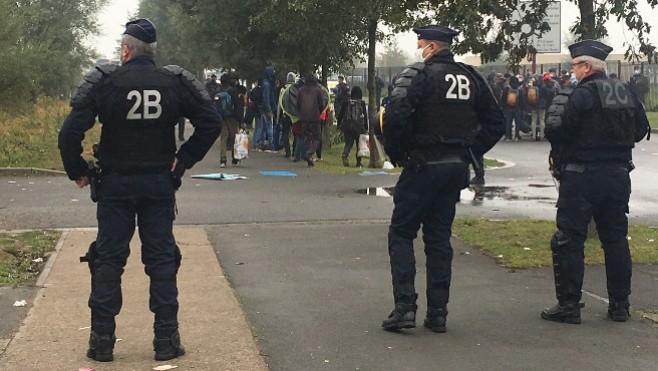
<point>241,146</point>
<point>364,146</point>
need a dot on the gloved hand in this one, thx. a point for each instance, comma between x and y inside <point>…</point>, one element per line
<point>177,172</point>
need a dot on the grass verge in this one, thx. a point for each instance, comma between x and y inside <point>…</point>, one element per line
<point>29,139</point>
<point>23,255</point>
<point>526,243</point>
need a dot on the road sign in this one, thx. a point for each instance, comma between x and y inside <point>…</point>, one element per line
<point>551,40</point>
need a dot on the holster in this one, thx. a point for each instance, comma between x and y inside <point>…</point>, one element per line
<point>93,173</point>
<point>90,257</point>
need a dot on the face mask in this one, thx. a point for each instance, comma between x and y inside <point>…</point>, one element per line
<point>419,54</point>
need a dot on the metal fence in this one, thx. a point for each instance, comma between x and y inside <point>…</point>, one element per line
<point>623,69</point>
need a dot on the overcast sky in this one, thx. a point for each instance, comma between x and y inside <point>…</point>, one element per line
<point>116,14</point>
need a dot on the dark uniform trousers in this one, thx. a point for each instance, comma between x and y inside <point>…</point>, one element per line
<point>150,197</point>
<point>586,191</point>
<point>427,197</point>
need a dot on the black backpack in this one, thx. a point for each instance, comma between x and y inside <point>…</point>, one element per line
<point>353,118</point>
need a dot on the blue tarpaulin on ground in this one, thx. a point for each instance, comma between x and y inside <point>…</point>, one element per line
<point>278,173</point>
<point>370,172</point>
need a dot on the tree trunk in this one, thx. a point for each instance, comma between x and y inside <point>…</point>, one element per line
<point>587,19</point>
<point>372,104</point>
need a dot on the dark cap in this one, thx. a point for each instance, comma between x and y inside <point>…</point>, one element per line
<point>436,32</point>
<point>590,48</point>
<point>141,29</point>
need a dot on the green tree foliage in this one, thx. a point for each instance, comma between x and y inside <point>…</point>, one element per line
<point>591,24</point>
<point>177,33</point>
<point>43,50</point>
<point>392,56</point>
<point>489,27</point>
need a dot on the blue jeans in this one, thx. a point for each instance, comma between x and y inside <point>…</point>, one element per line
<point>512,115</point>
<point>264,130</point>
<point>300,147</point>
<point>276,138</point>
<point>149,198</point>
<point>426,198</point>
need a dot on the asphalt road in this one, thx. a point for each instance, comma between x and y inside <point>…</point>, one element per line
<point>307,258</point>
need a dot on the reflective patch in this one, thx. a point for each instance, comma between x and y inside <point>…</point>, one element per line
<point>614,94</point>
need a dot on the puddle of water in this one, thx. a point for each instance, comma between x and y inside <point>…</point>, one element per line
<point>474,195</point>
<point>535,185</point>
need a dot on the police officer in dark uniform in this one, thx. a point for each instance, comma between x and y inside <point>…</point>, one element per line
<point>592,136</point>
<point>441,113</point>
<point>138,105</point>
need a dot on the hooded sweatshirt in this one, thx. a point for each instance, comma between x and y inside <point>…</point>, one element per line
<point>310,102</point>
<point>268,104</point>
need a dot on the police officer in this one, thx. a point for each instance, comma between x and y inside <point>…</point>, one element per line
<point>441,114</point>
<point>592,139</point>
<point>138,105</point>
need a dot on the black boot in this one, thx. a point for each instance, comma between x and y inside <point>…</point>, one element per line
<point>101,347</point>
<point>618,310</point>
<point>346,162</point>
<point>168,348</point>
<point>567,313</point>
<point>403,316</point>
<point>436,319</point>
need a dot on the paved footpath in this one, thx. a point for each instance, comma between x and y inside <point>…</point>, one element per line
<point>213,328</point>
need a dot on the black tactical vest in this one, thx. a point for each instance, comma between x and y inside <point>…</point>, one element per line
<point>138,120</point>
<point>611,122</point>
<point>448,114</point>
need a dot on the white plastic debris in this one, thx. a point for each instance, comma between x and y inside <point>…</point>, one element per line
<point>651,240</point>
<point>86,369</point>
<point>388,165</point>
<point>84,328</point>
<point>629,238</point>
<point>21,303</point>
<point>165,367</point>
<point>37,260</point>
<point>526,248</point>
<point>499,256</point>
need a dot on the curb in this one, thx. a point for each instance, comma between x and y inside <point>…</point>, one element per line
<point>29,171</point>
<point>41,280</point>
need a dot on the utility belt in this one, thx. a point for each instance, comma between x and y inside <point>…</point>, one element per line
<point>581,168</point>
<point>446,159</point>
<point>418,160</point>
<point>114,170</point>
